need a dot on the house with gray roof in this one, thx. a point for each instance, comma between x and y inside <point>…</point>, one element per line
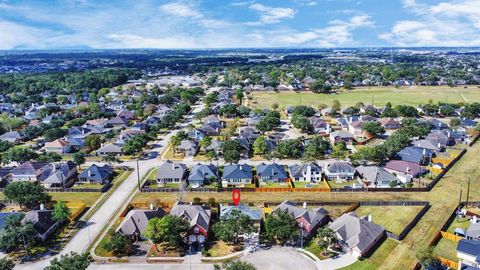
<point>308,220</point>
<point>110,149</point>
<point>341,136</point>
<point>60,175</point>
<point>31,171</point>
<point>374,176</point>
<point>42,221</point>
<point>202,174</point>
<point>136,220</point>
<point>237,175</point>
<point>96,174</point>
<point>255,214</point>
<point>306,172</point>
<point>357,235</point>
<point>171,172</point>
<point>473,231</point>
<point>186,147</point>
<point>272,172</point>
<point>198,216</point>
<point>403,170</point>
<point>415,154</point>
<point>468,254</point>
<point>11,137</point>
<point>429,145</point>
<point>340,171</point>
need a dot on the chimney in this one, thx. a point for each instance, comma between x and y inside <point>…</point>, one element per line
<point>42,206</point>
<point>424,151</point>
<point>304,205</point>
<point>89,173</point>
<point>152,207</point>
<point>474,219</point>
<point>439,145</point>
<point>408,169</point>
<point>369,218</point>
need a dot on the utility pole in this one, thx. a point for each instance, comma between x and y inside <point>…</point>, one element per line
<point>460,198</point>
<point>468,191</point>
<point>138,175</point>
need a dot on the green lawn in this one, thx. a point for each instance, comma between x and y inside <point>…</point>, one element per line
<point>310,185</point>
<point>334,184</point>
<point>87,185</point>
<point>89,198</point>
<point>273,185</point>
<point>379,95</point>
<point>462,223</point>
<point>393,218</point>
<point>376,259</point>
<point>447,249</point>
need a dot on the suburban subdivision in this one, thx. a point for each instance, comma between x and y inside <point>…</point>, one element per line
<point>240,159</point>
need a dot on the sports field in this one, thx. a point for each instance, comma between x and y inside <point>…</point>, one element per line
<point>379,96</point>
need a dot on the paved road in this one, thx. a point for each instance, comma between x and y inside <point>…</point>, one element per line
<point>84,237</point>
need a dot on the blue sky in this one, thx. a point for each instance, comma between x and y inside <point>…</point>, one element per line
<point>50,24</point>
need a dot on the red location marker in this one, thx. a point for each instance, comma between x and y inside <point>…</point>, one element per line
<point>236,196</point>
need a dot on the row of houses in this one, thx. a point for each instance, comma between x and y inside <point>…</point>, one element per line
<point>356,234</point>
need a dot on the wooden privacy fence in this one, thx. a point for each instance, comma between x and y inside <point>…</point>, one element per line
<point>451,236</point>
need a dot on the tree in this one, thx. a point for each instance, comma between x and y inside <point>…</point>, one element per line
<point>373,128</point>
<point>289,149</point>
<point>60,212</point>
<point>50,157</point>
<point>119,245</point>
<point>53,134</point>
<point>231,151</point>
<point>4,146</point>
<point>268,123</point>
<point>232,225</point>
<point>205,142</point>
<point>428,261</point>
<point>234,265</point>
<point>78,159</point>
<point>327,237</point>
<point>281,226</point>
<point>340,151</point>
<point>316,148</point>
<point>455,122</point>
<point>210,155</point>
<point>26,194</point>
<point>19,155</point>
<point>111,159</point>
<point>260,146</point>
<point>239,95</point>
<point>134,146</point>
<point>16,236</point>
<point>302,123</point>
<point>170,230</point>
<point>6,264</point>
<point>72,261</point>
<point>93,141</point>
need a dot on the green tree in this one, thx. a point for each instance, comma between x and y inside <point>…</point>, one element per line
<point>6,264</point>
<point>50,157</point>
<point>316,148</point>
<point>231,151</point>
<point>119,245</point>
<point>72,261</point>
<point>281,226</point>
<point>260,146</point>
<point>16,236</point>
<point>60,212</point>
<point>234,265</point>
<point>302,123</point>
<point>110,159</point>
<point>53,134</point>
<point>20,155</point>
<point>26,194</point>
<point>78,159</point>
<point>93,141</point>
<point>170,230</point>
<point>428,260</point>
<point>232,225</point>
<point>373,128</point>
<point>205,142</point>
<point>340,151</point>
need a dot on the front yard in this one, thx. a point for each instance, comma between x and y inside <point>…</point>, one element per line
<point>220,249</point>
<point>377,259</point>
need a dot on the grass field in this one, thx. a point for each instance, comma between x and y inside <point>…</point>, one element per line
<point>379,95</point>
<point>447,249</point>
<point>393,218</point>
<point>89,198</point>
<point>376,259</point>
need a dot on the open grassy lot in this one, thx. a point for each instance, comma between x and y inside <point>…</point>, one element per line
<point>334,211</point>
<point>393,218</point>
<point>461,223</point>
<point>376,259</point>
<point>89,198</point>
<point>380,96</point>
<point>447,249</point>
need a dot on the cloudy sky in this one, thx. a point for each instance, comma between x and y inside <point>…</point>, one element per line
<point>51,24</point>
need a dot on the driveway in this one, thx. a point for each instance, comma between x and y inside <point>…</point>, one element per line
<point>280,258</point>
<point>341,261</point>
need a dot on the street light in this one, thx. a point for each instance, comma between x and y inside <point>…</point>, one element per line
<point>301,232</point>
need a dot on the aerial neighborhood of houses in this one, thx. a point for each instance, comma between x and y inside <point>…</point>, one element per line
<point>145,166</point>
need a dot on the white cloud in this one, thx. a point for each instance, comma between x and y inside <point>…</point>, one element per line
<point>449,23</point>
<point>270,15</point>
<point>16,35</point>
<point>180,9</point>
<point>135,41</point>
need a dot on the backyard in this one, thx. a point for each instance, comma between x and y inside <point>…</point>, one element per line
<point>379,95</point>
<point>447,249</point>
<point>393,218</point>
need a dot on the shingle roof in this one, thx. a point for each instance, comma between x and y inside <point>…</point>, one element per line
<point>375,174</point>
<point>254,213</point>
<point>41,220</point>
<point>202,172</point>
<point>237,171</point>
<point>195,214</point>
<point>169,169</point>
<point>135,222</point>
<point>271,170</point>
<point>298,170</point>
<point>96,173</point>
<point>340,166</point>
<point>470,247</point>
<point>314,217</point>
<point>357,232</point>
